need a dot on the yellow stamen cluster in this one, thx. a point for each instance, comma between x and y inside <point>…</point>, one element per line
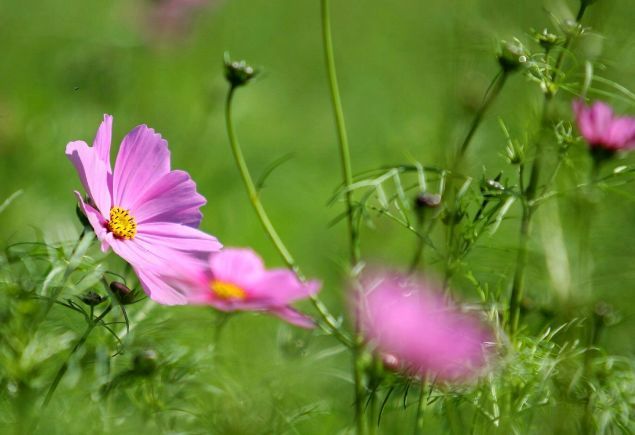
<point>122,224</point>
<point>228,291</point>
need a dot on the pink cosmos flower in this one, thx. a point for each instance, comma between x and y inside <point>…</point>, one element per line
<point>236,280</point>
<point>602,129</point>
<point>416,331</point>
<point>143,210</point>
<point>170,18</point>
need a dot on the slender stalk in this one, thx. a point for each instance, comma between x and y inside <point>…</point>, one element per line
<point>421,406</point>
<point>347,174</point>
<point>345,157</point>
<point>492,92</point>
<point>329,321</point>
<point>60,373</point>
<point>529,195</point>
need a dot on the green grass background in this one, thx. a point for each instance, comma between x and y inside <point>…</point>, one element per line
<point>411,73</point>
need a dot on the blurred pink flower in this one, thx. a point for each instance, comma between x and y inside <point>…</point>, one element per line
<point>237,280</point>
<point>416,331</point>
<point>169,18</point>
<point>602,129</point>
<point>144,211</point>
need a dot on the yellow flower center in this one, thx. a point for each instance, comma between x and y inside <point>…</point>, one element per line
<point>226,290</point>
<point>122,224</point>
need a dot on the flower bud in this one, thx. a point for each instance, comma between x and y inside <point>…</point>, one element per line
<point>238,73</point>
<point>547,40</point>
<point>512,55</point>
<point>91,298</point>
<point>122,292</point>
<point>145,362</point>
<point>427,200</point>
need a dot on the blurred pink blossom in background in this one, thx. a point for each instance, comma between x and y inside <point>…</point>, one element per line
<point>170,18</point>
<point>415,330</point>
<point>602,129</point>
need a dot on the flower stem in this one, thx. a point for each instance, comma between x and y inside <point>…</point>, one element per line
<point>345,157</point>
<point>330,324</point>
<point>529,195</point>
<point>60,373</point>
<point>421,406</point>
<point>490,95</point>
<point>347,174</point>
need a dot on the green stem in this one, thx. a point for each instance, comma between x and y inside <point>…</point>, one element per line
<point>421,406</point>
<point>60,373</point>
<point>345,157</point>
<point>529,195</point>
<point>347,173</point>
<point>492,92</point>
<point>330,324</point>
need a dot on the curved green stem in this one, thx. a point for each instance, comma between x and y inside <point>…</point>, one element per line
<point>345,157</point>
<point>492,92</point>
<point>529,195</point>
<point>330,324</point>
<point>60,373</point>
<point>347,174</point>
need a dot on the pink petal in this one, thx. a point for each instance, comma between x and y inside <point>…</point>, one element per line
<point>96,220</point>
<point>92,173</point>
<point>280,287</point>
<point>175,237</point>
<point>172,198</point>
<point>143,159</point>
<point>294,317</point>
<point>622,133</point>
<point>166,292</point>
<point>102,141</point>
<point>240,266</point>
<point>601,116</point>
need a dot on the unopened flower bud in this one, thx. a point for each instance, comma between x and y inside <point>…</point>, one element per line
<point>91,298</point>
<point>145,362</point>
<point>547,40</point>
<point>122,292</point>
<point>492,187</point>
<point>238,73</point>
<point>512,56</point>
<point>427,200</point>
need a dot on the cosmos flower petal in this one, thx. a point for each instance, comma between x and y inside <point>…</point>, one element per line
<point>282,286</point>
<point>407,322</point>
<point>92,173</point>
<point>96,221</point>
<point>237,265</point>
<point>176,237</point>
<point>172,198</point>
<point>143,159</point>
<point>291,315</point>
<point>602,129</point>
<point>167,292</point>
<point>102,141</point>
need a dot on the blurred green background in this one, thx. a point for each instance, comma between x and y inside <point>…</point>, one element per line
<point>411,75</point>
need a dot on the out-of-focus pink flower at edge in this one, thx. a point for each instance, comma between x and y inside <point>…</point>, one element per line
<point>602,129</point>
<point>236,280</point>
<point>416,331</point>
<point>143,210</point>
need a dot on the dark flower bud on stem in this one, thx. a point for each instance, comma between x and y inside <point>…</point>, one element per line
<point>91,298</point>
<point>427,200</point>
<point>512,55</point>
<point>145,362</point>
<point>238,73</point>
<point>122,292</point>
<point>547,40</point>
